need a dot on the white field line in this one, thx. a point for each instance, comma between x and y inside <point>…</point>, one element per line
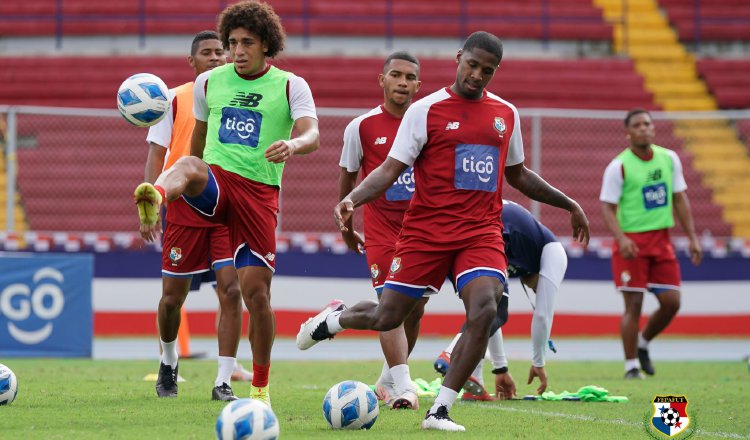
<point>601,420</point>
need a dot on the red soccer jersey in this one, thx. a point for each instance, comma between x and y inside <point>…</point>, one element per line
<point>459,149</point>
<point>367,140</point>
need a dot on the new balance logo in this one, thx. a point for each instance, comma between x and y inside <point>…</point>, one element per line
<point>654,175</point>
<point>242,99</point>
<point>452,126</point>
<point>381,140</point>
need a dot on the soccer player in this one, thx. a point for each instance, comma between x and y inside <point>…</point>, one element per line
<point>244,115</point>
<point>367,140</point>
<point>192,245</point>
<point>539,260</point>
<point>459,140</point>
<point>641,188</point>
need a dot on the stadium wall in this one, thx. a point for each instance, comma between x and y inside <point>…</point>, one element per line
<point>126,292</point>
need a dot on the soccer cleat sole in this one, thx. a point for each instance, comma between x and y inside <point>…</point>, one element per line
<point>148,201</point>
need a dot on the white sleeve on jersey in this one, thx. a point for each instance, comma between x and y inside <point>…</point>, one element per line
<point>412,133</point>
<point>351,153</point>
<point>612,183</point>
<point>552,267</point>
<point>497,350</point>
<point>161,133</point>
<point>200,107</point>
<point>301,103</point>
<point>515,146</point>
<point>678,179</point>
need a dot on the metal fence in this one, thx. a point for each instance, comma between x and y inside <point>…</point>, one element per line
<point>74,169</point>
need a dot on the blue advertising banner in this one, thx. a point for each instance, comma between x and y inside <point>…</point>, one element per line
<point>45,305</point>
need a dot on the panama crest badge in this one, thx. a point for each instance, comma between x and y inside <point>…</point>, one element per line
<point>500,126</point>
<point>670,416</point>
<point>175,254</point>
<point>374,271</point>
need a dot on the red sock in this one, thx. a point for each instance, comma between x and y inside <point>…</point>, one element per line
<point>162,192</point>
<point>260,375</point>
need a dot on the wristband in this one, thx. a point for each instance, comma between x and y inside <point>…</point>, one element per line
<point>501,370</point>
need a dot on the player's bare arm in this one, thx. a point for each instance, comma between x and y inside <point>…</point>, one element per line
<point>198,140</point>
<point>371,188</point>
<point>628,248</point>
<point>154,161</point>
<point>685,217</point>
<point>353,240</point>
<point>536,188</point>
<point>307,142</point>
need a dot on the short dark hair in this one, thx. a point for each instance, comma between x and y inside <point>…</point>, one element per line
<point>256,17</point>
<point>401,55</point>
<point>486,41</point>
<point>202,36</point>
<point>633,112</point>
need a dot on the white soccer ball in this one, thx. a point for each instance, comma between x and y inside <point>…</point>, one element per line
<point>350,405</point>
<point>8,385</point>
<point>246,419</point>
<point>143,99</point>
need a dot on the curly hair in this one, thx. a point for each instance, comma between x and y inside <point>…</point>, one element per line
<point>256,17</point>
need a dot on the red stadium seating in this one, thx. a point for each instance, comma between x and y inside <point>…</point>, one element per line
<point>570,20</point>
<point>728,81</point>
<point>573,158</point>
<point>727,20</point>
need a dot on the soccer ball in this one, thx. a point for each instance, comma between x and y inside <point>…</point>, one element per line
<point>670,417</point>
<point>350,405</point>
<point>247,419</point>
<point>8,385</point>
<point>143,99</point>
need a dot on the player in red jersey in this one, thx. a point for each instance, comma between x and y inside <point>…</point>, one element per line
<point>367,140</point>
<point>461,141</point>
<point>192,245</point>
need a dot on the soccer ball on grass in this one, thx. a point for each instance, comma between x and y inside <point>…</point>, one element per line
<point>247,419</point>
<point>350,405</point>
<point>8,385</point>
<point>143,99</point>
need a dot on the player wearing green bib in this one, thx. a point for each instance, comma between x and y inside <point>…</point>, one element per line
<point>244,115</point>
<point>641,189</point>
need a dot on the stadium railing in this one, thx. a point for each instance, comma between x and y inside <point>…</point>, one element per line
<point>73,170</point>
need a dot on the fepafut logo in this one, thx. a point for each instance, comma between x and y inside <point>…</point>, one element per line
<point>669,418</point>
<point>24,307</point>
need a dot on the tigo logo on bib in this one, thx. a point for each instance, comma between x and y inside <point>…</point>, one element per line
<point>240,126</point>
<point>655,196</point>
<point>476,167</point>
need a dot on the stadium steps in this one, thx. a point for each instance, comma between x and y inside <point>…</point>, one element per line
<point>718,153</point>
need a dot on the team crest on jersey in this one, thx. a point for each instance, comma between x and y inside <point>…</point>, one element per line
<point>175,254</point>
<point>670,415</point>
<point>396,265</point>
<point>625,277</point>
<point>500,126</point>
<point>374,271</point>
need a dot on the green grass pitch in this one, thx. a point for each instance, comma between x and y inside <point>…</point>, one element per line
<point>87,399</point>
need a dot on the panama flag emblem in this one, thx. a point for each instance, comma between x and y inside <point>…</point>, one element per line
<point>500,126</point>
<point>175,254</point>
<point>670,414</point>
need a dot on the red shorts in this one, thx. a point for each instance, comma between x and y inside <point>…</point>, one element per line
<point>248,208</point>
<point>417,267</point>
<point>655,268</point>
<point>379,261</point>
<point>187,251</point>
